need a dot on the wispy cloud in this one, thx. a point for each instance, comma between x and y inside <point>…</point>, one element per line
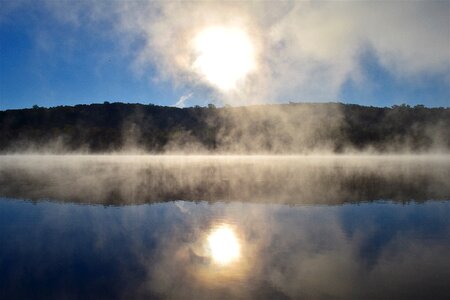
<point>182,101</point>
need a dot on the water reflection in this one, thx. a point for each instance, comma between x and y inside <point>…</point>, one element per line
<point>347,242</point>
<point>121,180</point>
<point>157,251</point>
<point>223,245</point>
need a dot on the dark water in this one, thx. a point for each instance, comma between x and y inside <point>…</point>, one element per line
<point>289,228</point>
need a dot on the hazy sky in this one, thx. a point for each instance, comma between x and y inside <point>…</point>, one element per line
<point>181,53</point>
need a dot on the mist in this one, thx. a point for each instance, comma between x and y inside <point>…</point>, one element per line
<point>277,150</point>
<point>125,179</point>
<point>329,128</point>
<point>316,211</point>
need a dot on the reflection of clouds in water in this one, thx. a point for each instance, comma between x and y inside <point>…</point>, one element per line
<point>305,252</point>
<point>295,252</point>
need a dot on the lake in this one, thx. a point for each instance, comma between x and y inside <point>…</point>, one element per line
<point>224,227</point>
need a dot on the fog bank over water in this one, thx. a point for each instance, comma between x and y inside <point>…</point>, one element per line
<point>314,179</point>
<point>245,170</point>
<point>304,226</point>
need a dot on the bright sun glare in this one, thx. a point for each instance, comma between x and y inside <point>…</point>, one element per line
<point>224,56</point>
<point>224,245</point>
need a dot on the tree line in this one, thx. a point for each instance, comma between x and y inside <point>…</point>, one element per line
<point>274,128</point>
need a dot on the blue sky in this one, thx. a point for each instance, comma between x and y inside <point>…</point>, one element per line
<point>73,54</point>
<point>77,67</point>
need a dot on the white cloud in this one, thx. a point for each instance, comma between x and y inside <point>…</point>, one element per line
<point>306,50</point>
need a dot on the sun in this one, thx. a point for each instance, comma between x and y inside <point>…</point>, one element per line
<point>224,245</point>
<point>224,56</point>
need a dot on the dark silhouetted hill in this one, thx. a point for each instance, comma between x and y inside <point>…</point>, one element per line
<point>280,128</point>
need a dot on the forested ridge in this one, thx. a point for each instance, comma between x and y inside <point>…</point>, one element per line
<point>271,128</point>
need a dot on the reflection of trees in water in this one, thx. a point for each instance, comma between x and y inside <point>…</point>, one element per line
<point>294,180</point>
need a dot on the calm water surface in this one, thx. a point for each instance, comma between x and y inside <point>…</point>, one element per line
<point>224,227</point>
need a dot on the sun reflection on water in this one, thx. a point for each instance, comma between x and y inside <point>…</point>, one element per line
<point>224,245</point>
